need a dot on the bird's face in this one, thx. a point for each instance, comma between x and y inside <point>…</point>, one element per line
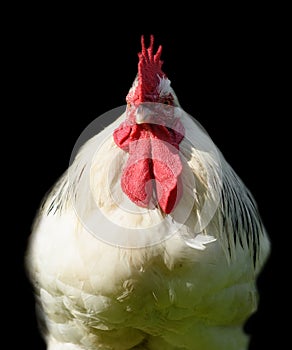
<point>151,134</point>
<point>151,91</point>
<point>155,107</point>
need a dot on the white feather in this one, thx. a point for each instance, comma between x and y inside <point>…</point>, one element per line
<point>200,241</point>
<point>164,88</point>
<point>185,280</point>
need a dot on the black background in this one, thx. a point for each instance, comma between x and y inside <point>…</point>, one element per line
<point>64,71</point>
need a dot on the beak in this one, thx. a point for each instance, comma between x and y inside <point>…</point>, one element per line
<point>141,115</point>
<point>146,113</point>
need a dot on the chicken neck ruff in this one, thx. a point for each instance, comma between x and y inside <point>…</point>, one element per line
<point>121,262</point>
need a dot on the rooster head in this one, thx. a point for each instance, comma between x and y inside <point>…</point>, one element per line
<point>150,89</point>
<point>151,135</point>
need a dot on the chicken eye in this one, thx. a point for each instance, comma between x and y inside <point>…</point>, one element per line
<point>167,102</point>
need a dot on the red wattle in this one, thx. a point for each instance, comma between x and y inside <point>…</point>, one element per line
<point>154,165</point>
<point>136,178</point>
<point>167,168</point>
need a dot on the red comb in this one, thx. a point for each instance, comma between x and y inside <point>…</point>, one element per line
<point>149,71</point>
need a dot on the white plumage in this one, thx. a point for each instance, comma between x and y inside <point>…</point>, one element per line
<point>110,275</point>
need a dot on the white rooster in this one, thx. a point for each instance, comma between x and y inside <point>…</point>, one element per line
<point>149,240</point>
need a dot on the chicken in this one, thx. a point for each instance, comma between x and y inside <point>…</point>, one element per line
<point>149,240</point>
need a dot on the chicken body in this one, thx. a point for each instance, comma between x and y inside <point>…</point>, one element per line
<point>109,277</point>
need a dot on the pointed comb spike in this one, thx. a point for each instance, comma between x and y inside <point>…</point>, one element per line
<point>150,49</point>
<point>158,54</point>
<point>143,52</point>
